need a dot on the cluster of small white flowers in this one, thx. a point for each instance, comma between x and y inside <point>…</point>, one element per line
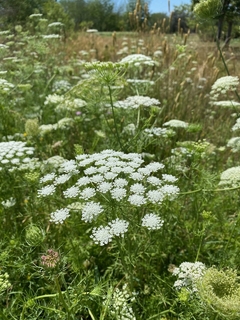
<point>14,153</point>
<point>55,24</point>
<point>140,81</point>
<point>60,215</point>
<point>46,128</point>
<point>159,132</point>
<point>223,85</point>
<point>110,175</point>
<point>234,144</point>
<point>188,274</point>
<point>53,99</point>
<point>70,105</point>
<point>230,177</point>
<point>138,59</point>
<point>226,104</point>
<point>237,125</point>
<point>152,221</point>
<point>35,15</point>
<point>176,124</point>
<point>92,31</point>
<point>9,203</point>
<point>65,123</point>
<point>51,36</point>
<point>134,102</point>
<point>103,235</point>
<point>3,46</point>
<point>61,86</point>
<point>4,32</point>
<point>5,85</point>
<point>119,304</point>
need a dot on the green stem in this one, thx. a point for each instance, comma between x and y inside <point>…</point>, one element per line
<point>114,117</point>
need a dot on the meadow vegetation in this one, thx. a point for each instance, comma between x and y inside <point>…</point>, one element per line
<point>120,175</point>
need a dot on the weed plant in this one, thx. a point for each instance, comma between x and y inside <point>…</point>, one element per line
<point>119,168</point>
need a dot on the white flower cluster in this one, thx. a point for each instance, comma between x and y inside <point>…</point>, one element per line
<point>138,59</point>
<point>152,221</point>
<point>5,85</point>
<point>63,123</point>
<point>134,102</point>
<point>234,144</point>
<point>159,132</point>
<point>71,105</point>
<point>35,15</point>
<point>188,274</point>
<point>103,235</point>
<point>51,36</point>
<point>119,303</point>
<point>230,177</point>
<point>110,176</point>
<point>237,125</point>
<point>56,24</point>
<point>223,85</point>
<point>226,104</point>
<point>61,86</point>
<point>9,203</point>
<point>53,99</point>
<point>174,123</point>
<point>14,153</point>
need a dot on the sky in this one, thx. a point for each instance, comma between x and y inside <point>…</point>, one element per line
<point>162,5</point>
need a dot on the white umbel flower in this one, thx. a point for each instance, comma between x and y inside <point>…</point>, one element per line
<point>137,200</point>
<point>118,227</point>
<point>174,123</point>
<point>134,102</point>
<point>60,215</point>
<point>46,191</point>
<point>188,274</point>
<point>152,221</point>
<point>118,193</point>
<point>71,192</point>
<point>102,235</point>
<point>91,210</point>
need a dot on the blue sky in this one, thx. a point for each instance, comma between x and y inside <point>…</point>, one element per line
<point>162,5</point>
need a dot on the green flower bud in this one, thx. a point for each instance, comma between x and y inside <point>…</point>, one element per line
<point>208,9</point>
<point>34,235</point>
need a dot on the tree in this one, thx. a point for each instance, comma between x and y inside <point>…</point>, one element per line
<point>17,11</point>
<point>76,9</point>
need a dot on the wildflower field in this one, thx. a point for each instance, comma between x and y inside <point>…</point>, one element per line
<point>120,176</point>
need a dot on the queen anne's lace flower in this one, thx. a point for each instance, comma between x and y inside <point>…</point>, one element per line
<point>46,191</point>
<point>59,215</point>
<point>176,124</point>
<point>155,196</point>
<point>91,210</point>
<point>118,227</point>
<point>118,193</point>
<point>14,153</point>
<point>188,274</point>
<point>102,235</point>
<point>230,177</point>
<point>152,221</point>
<point>104,177</point>
<point>71,192</point>
<point>137,200</point>
<point>135,102</point>
<point>223,85</point>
